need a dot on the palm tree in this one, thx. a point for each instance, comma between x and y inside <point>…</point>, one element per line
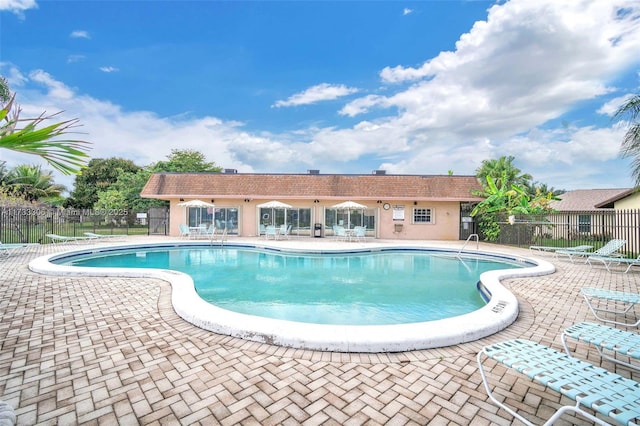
<point>33,136</point>
<point>31,183</point>
<point>542,188</point>
<point>631,143</point>
<point>503,172</point>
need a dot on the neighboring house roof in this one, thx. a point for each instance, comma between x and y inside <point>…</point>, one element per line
<point>610,203</point>
<point>305,186</point>
<point>586,199</point>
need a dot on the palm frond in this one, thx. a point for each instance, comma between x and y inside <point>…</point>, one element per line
<point>68,156</point>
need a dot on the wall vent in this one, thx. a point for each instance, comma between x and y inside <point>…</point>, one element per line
<point>314,172</point>
<point>231,171</point>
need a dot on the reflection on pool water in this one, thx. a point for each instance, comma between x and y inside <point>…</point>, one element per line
<point>375,288</point>
<point>271,266</point>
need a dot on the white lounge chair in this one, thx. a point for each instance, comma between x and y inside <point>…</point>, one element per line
<point>95,236</point>
<point>608,261</point>
<point>622,302</point>
<point>62,239</point>
<point>604,338</point>
<point>608,249</point>
<point>592,387</point>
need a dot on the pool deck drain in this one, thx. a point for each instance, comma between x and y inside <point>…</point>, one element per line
<point>97,350</point>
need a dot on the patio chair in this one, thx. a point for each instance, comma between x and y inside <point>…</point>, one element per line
<point>591,387</point>
<point>607,338</point>
<point>340,233</point>
<point>209,231</point>
<point>608,249</point>
<point>270,232</point>
<point>284,231</point>
<point>360,233</point>
<point>184,230</point>
<point>608,261</point>
<point>620,299</point>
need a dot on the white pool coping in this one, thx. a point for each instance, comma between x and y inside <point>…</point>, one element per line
<point>500,312</point>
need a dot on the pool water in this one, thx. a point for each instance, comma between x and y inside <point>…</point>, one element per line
<point>372,288</point>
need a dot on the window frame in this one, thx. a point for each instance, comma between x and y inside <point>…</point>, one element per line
<point>429,213</point>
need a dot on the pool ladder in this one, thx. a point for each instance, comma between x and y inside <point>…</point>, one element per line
<point>467,242</point>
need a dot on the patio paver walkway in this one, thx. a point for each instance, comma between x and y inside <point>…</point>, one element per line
<point>112,351</point>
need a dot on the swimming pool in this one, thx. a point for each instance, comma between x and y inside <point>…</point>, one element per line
<point>500,311</point>
<point>374,288</point>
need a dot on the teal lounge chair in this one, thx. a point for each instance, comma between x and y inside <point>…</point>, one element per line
<point>9,249</point>
<point>608,249</point>
<point>591,387</point>
<point>606,338</point>
<point>549,249</point>
<point>619,299</point>
<point>608,261</point>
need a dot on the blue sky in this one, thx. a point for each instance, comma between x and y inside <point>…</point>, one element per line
<point>344,87</point>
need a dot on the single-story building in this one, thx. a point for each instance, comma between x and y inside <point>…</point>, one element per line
<point>430,207</point>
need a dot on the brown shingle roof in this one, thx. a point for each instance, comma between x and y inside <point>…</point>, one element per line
<point>305,186</point>
<point>585,199</point>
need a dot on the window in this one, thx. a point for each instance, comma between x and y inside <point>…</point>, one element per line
<point>422,216</point>
<point>584,223</point>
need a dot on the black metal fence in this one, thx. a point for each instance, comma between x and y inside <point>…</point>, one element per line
<point>31,224</point>
<point>573,228</point>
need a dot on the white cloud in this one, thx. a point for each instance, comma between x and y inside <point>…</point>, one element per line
<point>80,34</point>
<point>75,58</point>
<point>407,11</point>
<point>496,94</point>
<point>610,107</point>
<point>318,93</point>
<point>18,6</point>
<point>109,69</point>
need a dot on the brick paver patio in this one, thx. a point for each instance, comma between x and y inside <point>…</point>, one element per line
<point>112,351</point>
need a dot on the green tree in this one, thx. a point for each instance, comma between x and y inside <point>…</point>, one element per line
<point>34,136</point>
<point>630,147</point>
<point>537,187</point>
<point>501,197</point>
<point>98,176</point>
<point>503,172</point>
<point>185,160</point>
<point>31,183</point>
<point>130,184</point>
